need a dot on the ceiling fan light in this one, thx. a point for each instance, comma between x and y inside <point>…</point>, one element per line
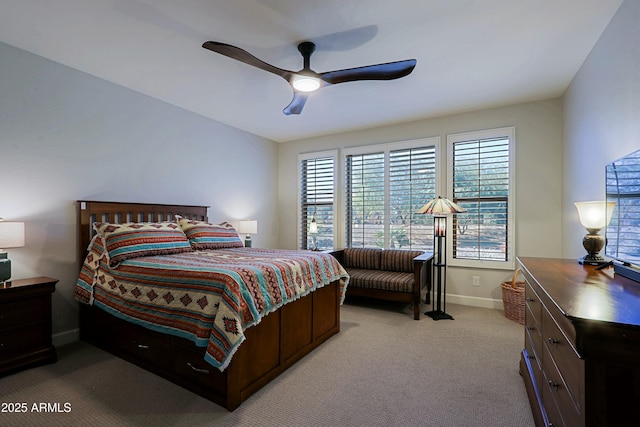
<point>304,83</point>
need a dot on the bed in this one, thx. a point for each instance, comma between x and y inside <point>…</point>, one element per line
<point>236,335</point>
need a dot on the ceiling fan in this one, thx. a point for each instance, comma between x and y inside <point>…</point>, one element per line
<point>306,80</point>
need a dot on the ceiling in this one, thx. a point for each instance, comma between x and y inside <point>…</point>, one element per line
<point>470,54</point>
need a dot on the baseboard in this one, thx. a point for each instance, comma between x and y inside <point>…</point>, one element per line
<point>66,337</point>
<point>475,301</point>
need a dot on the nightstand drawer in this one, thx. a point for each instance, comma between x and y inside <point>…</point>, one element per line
<point>20,341</point>
<point>21,312</point>
<point>25,324</point>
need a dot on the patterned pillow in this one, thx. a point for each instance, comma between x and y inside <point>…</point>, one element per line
<point>203,235</point>
<point>132,240</point>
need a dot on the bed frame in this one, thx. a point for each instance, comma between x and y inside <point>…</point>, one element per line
<point>277,342</point>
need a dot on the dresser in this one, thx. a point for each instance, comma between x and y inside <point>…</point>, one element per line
<point>581,356</point>
<point>25,323</point>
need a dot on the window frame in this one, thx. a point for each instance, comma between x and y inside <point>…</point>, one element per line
<point>333,154</point>
<point>509,263</point>
<point>386,149</point>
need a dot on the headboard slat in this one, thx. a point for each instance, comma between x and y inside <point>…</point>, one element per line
<point>115,212</point>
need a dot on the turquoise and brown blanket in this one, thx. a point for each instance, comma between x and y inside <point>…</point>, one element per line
<point>209,297</point>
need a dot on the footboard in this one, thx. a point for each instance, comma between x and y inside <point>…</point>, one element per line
<point>277,342</point>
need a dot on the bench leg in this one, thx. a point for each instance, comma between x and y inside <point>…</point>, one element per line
<point>416,310</point>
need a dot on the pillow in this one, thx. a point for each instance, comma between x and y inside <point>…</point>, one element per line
<point>203,235</point>
<point>132,240</point>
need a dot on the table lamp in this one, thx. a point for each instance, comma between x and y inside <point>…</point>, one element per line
<point>594,216</point>
<point>313,230</point>
<point>248,227</point>
<point>11,236</point>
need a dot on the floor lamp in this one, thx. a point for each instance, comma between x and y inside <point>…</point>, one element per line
<point>440,208</point>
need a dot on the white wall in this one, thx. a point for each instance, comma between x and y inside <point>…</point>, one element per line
<point>538,177</point>
<point>602,117</point>
<point>65,135</point>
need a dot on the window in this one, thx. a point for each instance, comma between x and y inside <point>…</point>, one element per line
<point>482,183</point>
<point>623,188</point>
<point>385,186</point>
<point>317,176</point>
<point>365,200</point>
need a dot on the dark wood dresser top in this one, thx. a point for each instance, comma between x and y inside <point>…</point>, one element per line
<point>584,294</point>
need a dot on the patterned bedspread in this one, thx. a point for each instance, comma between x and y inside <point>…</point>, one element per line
<point>209,297</point>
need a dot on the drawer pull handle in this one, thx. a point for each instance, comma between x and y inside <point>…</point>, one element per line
<point>553,341</point>
<point>531,300</point>
<point>554,385</point>
<point>198,370</point>
<point>531,328</point>
<point>143,347</point>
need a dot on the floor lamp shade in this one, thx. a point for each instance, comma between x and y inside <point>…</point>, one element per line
<point>441,206</point>
<point>11,236</point>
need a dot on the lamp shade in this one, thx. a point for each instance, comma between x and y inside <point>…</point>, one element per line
<point>313,227</point>
<point>441,206</point>
<point>248,226</point>
<point>595,215</point>
<point>11,234</point>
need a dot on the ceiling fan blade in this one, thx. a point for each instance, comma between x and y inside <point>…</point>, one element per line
<point>386,71</point>
<point>238,54</point>
<point>297,103</point>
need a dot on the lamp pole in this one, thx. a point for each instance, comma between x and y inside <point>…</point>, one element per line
<point>440,208</point>
<point>440,269</point>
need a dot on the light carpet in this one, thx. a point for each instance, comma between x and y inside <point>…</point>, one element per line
<point>382,369</point>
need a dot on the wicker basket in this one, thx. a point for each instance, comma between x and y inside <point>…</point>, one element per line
<point>513,299</point>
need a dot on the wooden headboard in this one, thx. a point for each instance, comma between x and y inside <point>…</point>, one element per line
<point>90,211</point>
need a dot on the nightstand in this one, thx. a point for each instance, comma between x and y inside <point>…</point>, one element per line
<point>25,323</point>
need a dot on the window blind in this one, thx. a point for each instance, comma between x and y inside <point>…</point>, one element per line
<point>481,186</point>
<point>317,202</point>
<point>383,192</point>
<point>623,188</point>
<point>412,183</point>
<point>365,200</point>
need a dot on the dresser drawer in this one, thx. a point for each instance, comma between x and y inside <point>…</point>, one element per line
<point>556,394</point>
<point>553,417</point>
<point>534,354</point>
<point>23,311</point>
<point>533,328</point>
<point>533,303</point>
<point>561,356</point>
<point>17,342</point>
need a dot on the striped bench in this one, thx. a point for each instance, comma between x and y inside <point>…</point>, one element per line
<point>389,274</point>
